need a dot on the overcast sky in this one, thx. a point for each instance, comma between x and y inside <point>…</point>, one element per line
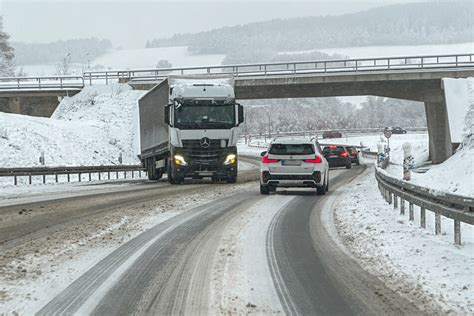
<point>130,23</point>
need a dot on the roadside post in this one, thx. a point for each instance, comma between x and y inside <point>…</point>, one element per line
<point>387,133</point>
<point>408,161</point>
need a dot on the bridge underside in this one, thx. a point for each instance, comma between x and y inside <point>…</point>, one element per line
<point>417,86</point>
<point>34,103</point>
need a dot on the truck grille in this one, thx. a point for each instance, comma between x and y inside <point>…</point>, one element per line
<point>196,144</point>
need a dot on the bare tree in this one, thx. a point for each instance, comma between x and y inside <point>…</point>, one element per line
<point>63,68</point>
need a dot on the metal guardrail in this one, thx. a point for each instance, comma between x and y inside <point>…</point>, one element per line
<point>41,83</point>
<point>56,171</point>
<point>322,67</point>
<point>456,207</point>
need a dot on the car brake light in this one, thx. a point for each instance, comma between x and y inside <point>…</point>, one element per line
<point>354,152</point>
<point>316,159</point>
<point>265,159</point>
<point>344,154</point>
<point>333,147</point>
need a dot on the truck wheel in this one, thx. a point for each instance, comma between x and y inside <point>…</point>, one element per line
<point>264,189</point>
<point>232,180</point>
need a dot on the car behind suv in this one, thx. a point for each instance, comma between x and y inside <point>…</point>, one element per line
<point>293,162</point>
<point>354,154</point>
<point>337,156</point>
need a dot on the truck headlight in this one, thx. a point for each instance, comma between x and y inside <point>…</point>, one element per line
<point>230,159</point>
<point>179,160</point>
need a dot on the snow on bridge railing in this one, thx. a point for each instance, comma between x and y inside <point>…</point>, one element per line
<point>429,62</point>
<point>41,83</point>
<point>456,207</point>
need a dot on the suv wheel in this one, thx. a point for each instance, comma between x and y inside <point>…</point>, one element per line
<point>321,190</point>
<point>349,165</point>
<point>264,189</point>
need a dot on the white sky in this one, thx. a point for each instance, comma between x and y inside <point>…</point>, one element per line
<point>131,23</point>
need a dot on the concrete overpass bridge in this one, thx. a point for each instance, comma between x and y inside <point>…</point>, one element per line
<point>417,78</point>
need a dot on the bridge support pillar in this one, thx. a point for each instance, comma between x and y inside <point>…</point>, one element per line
<point>438,129</point>
<point>15,105</point>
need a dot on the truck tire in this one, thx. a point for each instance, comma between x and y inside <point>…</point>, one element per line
<point>264,189</point>
<point>232,180</point>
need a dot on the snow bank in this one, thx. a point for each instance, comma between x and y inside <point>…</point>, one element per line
<point>427,268</point>
<point>91,128</point>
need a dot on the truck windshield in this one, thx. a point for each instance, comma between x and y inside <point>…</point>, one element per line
<point>197,116</point>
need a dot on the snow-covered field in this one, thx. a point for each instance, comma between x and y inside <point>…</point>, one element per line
<point>134,59</point>
<point>407,50</point>
<point>91,128</point>
<point>409,259</point>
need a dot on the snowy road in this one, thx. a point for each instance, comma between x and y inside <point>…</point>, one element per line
<point>237,254</point>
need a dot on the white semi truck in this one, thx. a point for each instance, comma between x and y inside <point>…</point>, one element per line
<point>188,129</point>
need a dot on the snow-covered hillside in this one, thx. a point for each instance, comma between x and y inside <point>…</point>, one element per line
<point>91,128</point>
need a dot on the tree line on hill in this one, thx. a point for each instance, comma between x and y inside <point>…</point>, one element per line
<point>403,24</point>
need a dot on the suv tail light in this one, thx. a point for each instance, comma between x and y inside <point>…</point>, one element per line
<point>316,159</point>
<point>265,159</point>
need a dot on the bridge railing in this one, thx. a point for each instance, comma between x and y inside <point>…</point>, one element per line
<point>41,83</point>
<point>322,67</point>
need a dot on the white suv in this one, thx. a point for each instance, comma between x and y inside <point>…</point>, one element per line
<point>293,162</point>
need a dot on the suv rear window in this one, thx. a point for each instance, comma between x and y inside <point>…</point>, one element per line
<point>291,149</point>
<point>333,150</point>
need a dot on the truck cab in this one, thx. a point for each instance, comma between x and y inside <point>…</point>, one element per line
<point>201,119</point>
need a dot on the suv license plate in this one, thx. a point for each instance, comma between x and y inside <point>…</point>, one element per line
<point>291,163</point>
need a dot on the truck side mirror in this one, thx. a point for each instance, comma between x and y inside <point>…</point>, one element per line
<point>241,114</point>
<point>167,114</point>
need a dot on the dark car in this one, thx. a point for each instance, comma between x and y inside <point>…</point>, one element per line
<point>337,156</point>
<point>354,154</point>
<point>332,134</point>
<point>398,130</point>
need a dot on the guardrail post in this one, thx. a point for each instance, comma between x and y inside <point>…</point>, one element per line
<point>56,177</point>
<point>68,177</point>
<point>90,177</point>
<point>106,78</point>
<point>98,175</point>
<point>410,208</point>
<point>29,178</point>
<point>423,217</point>
<point>133,174</point>
<point>402,206</point>
<point>437,224</point>
<point>44,178</point>
<point>389,198</point>
<point>395,202</point>
<point>108,175</point>
<point>125,174</point>
<point>79,176</point>
<point>457,232</point>
<point>116,174</point>
<point>15,180</point>
<point>139,173</point>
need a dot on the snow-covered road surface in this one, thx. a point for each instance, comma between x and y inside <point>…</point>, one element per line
<point>238,253</point>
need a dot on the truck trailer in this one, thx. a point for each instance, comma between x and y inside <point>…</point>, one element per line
<point>188,129</point>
